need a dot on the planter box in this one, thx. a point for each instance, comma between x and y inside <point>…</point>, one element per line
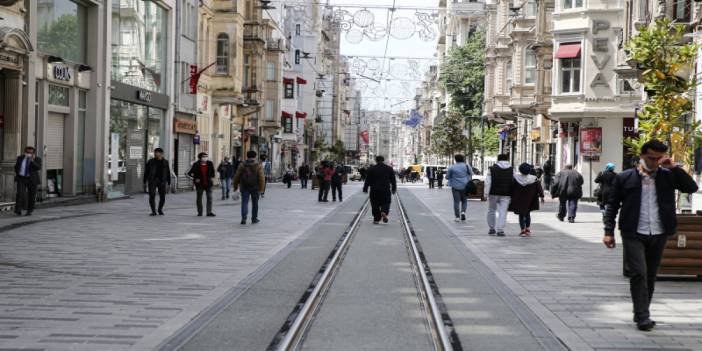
<point>480,194</point>
<point>683,253</point>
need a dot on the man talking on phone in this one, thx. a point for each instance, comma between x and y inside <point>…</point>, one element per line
<point>646,197</point>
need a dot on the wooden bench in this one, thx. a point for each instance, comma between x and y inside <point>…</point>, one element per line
<point>683,252</point>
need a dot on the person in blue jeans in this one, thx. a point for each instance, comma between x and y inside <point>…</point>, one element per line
<point>251,179</point>
<point>458,177</point>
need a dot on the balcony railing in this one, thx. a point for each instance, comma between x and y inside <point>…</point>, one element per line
<point>275,45</point>
<point>253,31</point>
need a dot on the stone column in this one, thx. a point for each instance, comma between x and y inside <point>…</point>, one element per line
<point>12,131</point>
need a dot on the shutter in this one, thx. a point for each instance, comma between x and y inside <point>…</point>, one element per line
<point>54,141</point>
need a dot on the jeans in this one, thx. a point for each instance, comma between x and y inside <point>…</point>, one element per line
<point>498,204</point>
<point>26,194</point>
<point>303,182</point>
<point>569,205</point>
<point>324,190</point>
<point>642,255</point>
<point>525,221</point>
<point>161,187</point>
<point>336,188</point>
<point>198,201</point>
<point>380,203</point>
<point>245,194</point>
<point>459,198</point>
<point>226,187</point>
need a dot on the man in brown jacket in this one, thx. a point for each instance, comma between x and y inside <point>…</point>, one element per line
<point>251,178</point>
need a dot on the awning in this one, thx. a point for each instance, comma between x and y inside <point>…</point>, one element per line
<point>286,115</point>
<point>288,81</point>
<point>567,51</point>
<point>301,80</point>
<point>300,114</point>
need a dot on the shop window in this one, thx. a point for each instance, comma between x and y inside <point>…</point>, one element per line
<point>572,4</point>
<point>61,29</point>
<point>222,54</point>
<point>570,75</point>
<point>530,67</point>
<point>58,95</point>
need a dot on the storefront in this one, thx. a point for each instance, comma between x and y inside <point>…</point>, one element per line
<point>185,129</point>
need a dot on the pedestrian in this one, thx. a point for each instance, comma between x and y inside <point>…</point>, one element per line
<point>288,176</point>
<point>570,190</point>
<point>458,175</point>
<point>440,178</point>
<point>157,175</point>
<point>646,197</point>
<point>251,180</point>
<point>304,174</point>
<point>267,168</point>
<point>498,189</point>
<point>325,177</point>
<point>548,174</point>
<point>337,182</point>
<point>431,176</point>
<point>526,192</point>
<point>604,180</point>
<point>27,169</point>
<point>226,173</point>
<point>363,171</point>
<point>203,172</point>
<point>381,182</point>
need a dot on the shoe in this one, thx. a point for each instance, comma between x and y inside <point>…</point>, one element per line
<point>334,200</point>
<point>559,218</point>
<point>211,215</point>
<point>243,221</point>
<point>153,214</point>
<point>19,213</point>
<point>254,221</point>
<point>491,232</point>
<point>340,200</point>
<point>645,325</point>
<point>571,220</point>
<point>199,214</point>
<point>500,233</point>
<point>28,213</point>
<point>456,219</point>
<point>527,231</point>
<point>160,213</point>
<point>325,200</point>
<point>384,216</point>
<point>463,216</point>
<point>223,198</point>
<point>376,222</point>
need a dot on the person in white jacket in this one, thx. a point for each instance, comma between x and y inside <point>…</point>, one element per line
<point>498,189</point>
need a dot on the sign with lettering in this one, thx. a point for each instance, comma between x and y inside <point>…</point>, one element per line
<point>185,126</point>
<point>62,72</point>
<point>143,95</point>
<point>591,141</point>
<point>9,59</point>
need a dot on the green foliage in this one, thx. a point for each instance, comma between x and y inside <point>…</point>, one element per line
<point>338,151</point>
<point>666,67</point>
<point>463,75</point>
<point>490,140</point>
<point>61,38</point>
<point>447,136</point>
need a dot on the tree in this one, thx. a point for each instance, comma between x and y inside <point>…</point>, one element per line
<point>463,75</point>
<point>338,150</point>
<point>666,65</point>
<point>447,136</point>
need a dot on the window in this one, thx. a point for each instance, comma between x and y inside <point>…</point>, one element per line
<point>80,139</point>
<point>530,67</point>
<point>270,113</point>
<point>270,71</point>
<point>530,8</point>
<point>570,75</point>
<point>222,54</point>
<point>682,10</point>
<point>508,77</point>
<point>297,57</point>
<point>626,87</point>
<point>572,4</point>
<point>62,29</point>
<point>642,15</point>
<point>289,90</point>
<point>247,71</point>
<point>58,95</point>
<point>297,29</point>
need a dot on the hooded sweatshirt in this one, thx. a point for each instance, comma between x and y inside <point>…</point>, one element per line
<point>525,180</point>
<point>499,179</point>
<point>526,191</point>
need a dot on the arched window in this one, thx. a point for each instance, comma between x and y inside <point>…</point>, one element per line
<point>222,54</point>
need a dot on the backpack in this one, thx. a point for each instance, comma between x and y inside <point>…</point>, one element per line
<point>249,177</point>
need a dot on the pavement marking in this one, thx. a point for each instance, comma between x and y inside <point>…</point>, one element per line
<point>184,237</point>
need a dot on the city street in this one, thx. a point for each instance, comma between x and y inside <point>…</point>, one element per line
<point>109,277</point>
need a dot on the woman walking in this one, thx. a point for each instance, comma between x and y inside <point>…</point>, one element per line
<point>526,191</point>
<point>605,180</point>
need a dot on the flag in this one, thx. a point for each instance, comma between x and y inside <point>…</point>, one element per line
<point>414,120</point>
<point>365,137</point>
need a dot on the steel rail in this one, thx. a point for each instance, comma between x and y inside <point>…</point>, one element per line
<point>293,331</point>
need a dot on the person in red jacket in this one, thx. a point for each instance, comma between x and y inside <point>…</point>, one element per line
<point>202,173</point>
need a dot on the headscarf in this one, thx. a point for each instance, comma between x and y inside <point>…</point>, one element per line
<point>610,167</point>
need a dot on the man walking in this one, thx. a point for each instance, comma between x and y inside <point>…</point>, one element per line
<point>203,172</point>
<point>27,169</point>
<point>325,178</point>
<point>381,181</point>
<point>226,173</point>
<point>431,177</point>
<point>570,190</point>
<point>304,174</point>
<point>548,174</point>
<point>458,177</point>
<point>337,181</point>
<point>646,197</point>
<point>157,176</point>
<point>250,177</point>
<point>498,188</point>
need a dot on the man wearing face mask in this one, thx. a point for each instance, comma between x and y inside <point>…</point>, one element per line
<point>27,170</point>
<point>202,172</point>
<point>646,197</point>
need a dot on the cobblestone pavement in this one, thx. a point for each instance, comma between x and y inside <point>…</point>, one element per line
<point>572,282</point>
<point>109,277</point>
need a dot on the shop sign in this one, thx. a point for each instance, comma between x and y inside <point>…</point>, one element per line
<point>600,44</point>
<point>196,138</point>
<point>185,126</point>
<point>62,72</point>
<point>591,142</point>
<point>536,134</point>
<point>143,95</point>
<point>629,129</point>
<point>9,59</point>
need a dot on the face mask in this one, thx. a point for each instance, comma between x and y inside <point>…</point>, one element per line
<point>28,155</point>
<point>643,164</point>
<point>204,159</point>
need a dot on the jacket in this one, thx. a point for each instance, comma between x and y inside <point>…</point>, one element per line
<point>151,172</point>
<point>605,180</point>
<point>625,199</point>
<point>459,175</point>
<point>226,170</point>
<point>570,184</point>
<point>339,173</point>
<point>260,176</point>
<point>499,179</point>
<point>196,174</point>
<point>526,191</point>
<point>380,179</point>
<point>304,172</point>
<point>34,166</point>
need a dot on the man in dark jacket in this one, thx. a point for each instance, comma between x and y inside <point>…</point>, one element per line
<point>250,176</point>
<point>381,181</point>
<point>304,174</point>
<point>431,176</point>
<point>27,169</point>
<point>646,197</point>
<point>337,181</point>
<point>226,173</point>
<point>498,188</point>
<point>548,173</point>
<point>158,177</point>
<point>570,190</point>
<point>203,172</point>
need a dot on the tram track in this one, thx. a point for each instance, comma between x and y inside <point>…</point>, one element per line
<point>293,333</point>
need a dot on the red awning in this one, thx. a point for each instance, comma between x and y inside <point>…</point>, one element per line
<point>301,81</point>
<point>567,51</point>
<point>288,81</point>
<point>300,114</point>
<point>286,115</point>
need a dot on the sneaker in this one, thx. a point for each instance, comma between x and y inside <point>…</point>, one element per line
<point>456,219</point>
<point>559,218</point>
<point>500,233</point>
<point>254,221</point>
<point>160,213</point>
<point>645,325</point>
<point>153,214</point>
<point>243,221</point>
<point>463,216</point>
<point>527,231</point>
<point>199,214</point>
<point>523,233</point>
<point>491,232</point>
<point>384,216</point>
<point>376,222</point>
<point>211,214</point>
<point>571,220</point>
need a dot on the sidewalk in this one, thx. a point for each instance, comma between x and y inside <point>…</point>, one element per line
<point>109,277</point>
<point>572,282</point>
